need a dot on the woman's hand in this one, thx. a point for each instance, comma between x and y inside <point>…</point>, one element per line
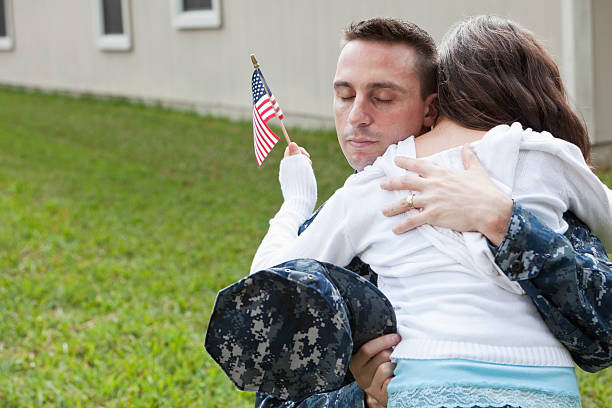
<point>462,200</point>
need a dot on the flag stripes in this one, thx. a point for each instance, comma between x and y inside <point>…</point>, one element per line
<point>277,108</point>
<point>265,107</point>
<point>264,138</point>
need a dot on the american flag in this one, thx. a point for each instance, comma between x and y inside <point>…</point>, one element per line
<point>264,108</point>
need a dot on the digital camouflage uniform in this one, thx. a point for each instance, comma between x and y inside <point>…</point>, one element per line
<point>290,330</point>
<point>568,277</point>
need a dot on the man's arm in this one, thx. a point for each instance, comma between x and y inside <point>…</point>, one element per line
<point>569,278</point>
<point>372,368</point>
<point>349,396</point>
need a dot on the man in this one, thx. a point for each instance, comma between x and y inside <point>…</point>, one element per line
<point>385,88</point>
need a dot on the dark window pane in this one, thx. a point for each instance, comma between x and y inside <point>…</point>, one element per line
<point>113,23</point>
<point>2,20</point>
<point>197,5</point>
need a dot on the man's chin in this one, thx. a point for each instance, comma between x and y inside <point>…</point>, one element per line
<point>360,163</point>
<point>359,159</point>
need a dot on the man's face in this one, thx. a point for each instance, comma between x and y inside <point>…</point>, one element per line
<point>377,99</point>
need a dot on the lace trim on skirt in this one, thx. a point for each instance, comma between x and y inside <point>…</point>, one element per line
<point>453,396</point>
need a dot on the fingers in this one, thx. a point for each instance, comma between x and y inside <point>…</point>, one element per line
<point>383,375</point>
<point>405,182</point>
<point>418,166</point>
<point>372,402</point>
<point>370,356</point>
<point>387,381</point>
<point>372,368</point>
<point>373,347</point>
<point>293,149</point>
<point>470,160</point>
<point>368,373</point>
<point>411,222</point>
<point>401,206</point>
<point>378,387</point>
<point>304,152</point>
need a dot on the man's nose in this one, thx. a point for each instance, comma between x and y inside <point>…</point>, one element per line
<point>360,113</point>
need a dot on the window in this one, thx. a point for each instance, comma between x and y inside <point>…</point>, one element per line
<point>6,29</point>
<point>111,12</point>
<point>195,14</point>
<point>113,22</point>
<point>192,5</point>
<point>2,20</point>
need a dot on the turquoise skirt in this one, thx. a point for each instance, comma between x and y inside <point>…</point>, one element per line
<point>454,383</point>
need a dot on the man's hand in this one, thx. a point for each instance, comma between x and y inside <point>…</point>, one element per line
<point>293,149</point>
<point>462,200</point>
<point>373,369</point>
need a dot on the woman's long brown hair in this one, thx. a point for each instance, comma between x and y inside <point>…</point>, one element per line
<point>493,71</point>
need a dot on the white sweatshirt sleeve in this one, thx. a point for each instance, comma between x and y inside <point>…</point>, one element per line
<point>299,185</point>
<point>589,199</point>
<point>556,180</point>
<point>324,240</point>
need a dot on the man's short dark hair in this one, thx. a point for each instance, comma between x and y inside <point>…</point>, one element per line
<point>395,31</point>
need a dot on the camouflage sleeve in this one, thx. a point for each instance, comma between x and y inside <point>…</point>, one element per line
<point>569,278</point>
<point>349,396</point>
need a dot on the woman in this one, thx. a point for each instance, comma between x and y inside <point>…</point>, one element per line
<point>470,337</point>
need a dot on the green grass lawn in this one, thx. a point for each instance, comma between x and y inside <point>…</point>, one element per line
<point>118,225</point>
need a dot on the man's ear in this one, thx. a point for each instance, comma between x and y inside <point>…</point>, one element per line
<point>431,110</point>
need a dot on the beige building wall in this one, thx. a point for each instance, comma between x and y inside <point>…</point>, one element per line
<point>602,70</point>
<point>296,42</point>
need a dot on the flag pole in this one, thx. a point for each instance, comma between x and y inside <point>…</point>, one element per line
<point>256,66</point>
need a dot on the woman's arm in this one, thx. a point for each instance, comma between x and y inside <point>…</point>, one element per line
<point>325,240</point>
<point>299,188</point>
